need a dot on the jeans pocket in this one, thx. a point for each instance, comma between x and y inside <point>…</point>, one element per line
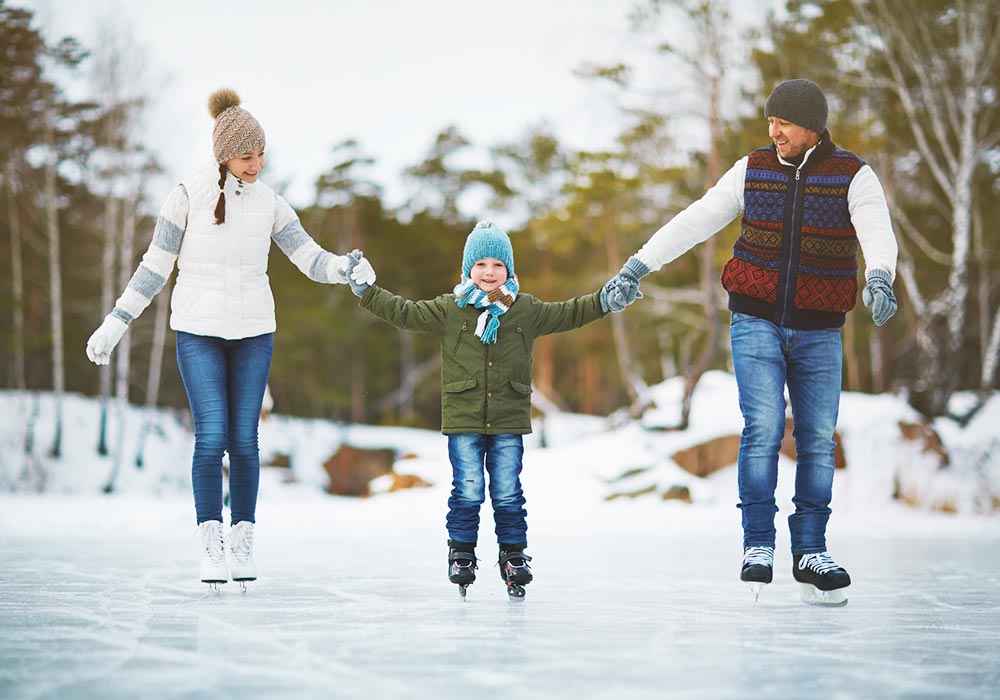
<point>737,317</point>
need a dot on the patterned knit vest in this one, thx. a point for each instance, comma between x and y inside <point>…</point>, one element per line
<point>795,261</point>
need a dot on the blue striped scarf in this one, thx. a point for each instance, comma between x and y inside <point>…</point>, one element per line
<point>494,305</point>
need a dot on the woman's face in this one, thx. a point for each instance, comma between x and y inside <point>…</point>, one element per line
<point>248,165</point>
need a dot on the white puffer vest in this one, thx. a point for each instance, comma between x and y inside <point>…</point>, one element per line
<point>222,287</point>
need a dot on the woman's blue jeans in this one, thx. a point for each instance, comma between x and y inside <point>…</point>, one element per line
<point>501,456</point>
<point>766,358</point>
<point>225,382</point>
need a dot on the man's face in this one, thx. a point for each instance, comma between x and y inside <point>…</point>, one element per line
<point>791,140</point>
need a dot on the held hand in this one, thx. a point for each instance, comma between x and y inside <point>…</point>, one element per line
<point>104,340</point>
<point>360,274</point>
<point>623,289</point>
<point>877,296</point>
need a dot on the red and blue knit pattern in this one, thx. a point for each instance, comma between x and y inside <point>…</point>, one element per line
<point>826,255</point>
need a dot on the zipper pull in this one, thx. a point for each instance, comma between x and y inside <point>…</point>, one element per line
<point>465,325</point>
<point>797,174</point>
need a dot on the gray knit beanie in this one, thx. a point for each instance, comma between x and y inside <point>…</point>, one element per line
<point>799,101</point>
<point>236,131</point>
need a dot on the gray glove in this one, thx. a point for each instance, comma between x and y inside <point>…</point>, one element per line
<point>623,289</point>
<point>877,296</point>
<point>360,274</point>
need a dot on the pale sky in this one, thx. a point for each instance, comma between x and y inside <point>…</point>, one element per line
<point>389,73</point>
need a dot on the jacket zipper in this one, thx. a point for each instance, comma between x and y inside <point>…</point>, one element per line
<point>793,235</point>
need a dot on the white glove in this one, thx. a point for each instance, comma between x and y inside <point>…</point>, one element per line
<point>104,340</point>
<point>337,268</point>
<point>363,274</point>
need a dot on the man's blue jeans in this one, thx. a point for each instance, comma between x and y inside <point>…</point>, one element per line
<point>501,455</point>
<point>225,382</point>
<point>766,357</point>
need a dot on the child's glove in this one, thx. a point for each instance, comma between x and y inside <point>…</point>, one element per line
<point>623,289</point>
<point>877,296</point>
<point>360,274</point>
<point>104,340</point>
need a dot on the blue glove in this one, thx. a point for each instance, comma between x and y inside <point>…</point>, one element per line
<point>623,289</point>
<point>360,274</point>
<point>877,296</point>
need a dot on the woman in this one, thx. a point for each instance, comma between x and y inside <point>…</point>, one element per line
<point>218,225</point>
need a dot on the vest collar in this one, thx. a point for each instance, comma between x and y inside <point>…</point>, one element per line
<point>234,184</point>
<point>822,150</point>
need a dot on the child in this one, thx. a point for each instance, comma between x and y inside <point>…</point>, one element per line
<point>218,225</point>
<point>487,330</point>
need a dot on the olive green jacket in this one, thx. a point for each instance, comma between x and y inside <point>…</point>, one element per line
<point>484,388</point>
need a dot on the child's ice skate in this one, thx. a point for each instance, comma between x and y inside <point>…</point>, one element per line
<point>213,569</point>
<point>241,553</point>
<point>822,580</point>
<point>758,568</point>
<point>514,569</point>
<point>461,564</point>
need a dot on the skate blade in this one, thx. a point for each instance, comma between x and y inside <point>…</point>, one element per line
<point>214,585</point>
<point>463,589</point>
<point>515,591</point>
<point>756,587</point>
<point>830,599</point>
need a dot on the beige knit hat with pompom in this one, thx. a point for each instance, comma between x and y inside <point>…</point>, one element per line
<point>236,130</point>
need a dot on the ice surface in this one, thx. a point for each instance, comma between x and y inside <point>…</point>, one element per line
<point>354,601</point>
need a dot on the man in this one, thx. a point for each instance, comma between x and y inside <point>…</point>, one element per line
<point>806,206</point>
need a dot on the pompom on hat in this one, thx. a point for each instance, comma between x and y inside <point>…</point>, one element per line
<point>798,101</point>
<point>487,241</point>
<point>236,130</point>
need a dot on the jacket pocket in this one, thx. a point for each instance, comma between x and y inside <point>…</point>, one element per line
<point>461,332</point>
<point>460,386</point>
<point>521,388</point>
<point>524,339</point>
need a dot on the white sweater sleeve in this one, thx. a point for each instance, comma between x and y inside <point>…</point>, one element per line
<point>870,215</point>
<point>158,261</point>
<point>306,254</point>
<point>699,221</point>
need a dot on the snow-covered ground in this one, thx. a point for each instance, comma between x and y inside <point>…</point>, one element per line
<point>635,597</point>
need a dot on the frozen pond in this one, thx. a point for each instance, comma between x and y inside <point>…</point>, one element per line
<point>368,612</point>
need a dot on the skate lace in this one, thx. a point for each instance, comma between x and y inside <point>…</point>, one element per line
<point>211,542</point>
<point>821,563</point>
<point>758,556</point>
<point>241,542</point>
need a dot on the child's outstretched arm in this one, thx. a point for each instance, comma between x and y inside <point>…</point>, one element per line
<point>558,316</point>
<point>425,317</point>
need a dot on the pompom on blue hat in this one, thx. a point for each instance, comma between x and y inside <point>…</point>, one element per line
<point>487,241</point>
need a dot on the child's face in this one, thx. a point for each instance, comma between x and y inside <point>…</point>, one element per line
<point>488,274</point>
<point>248,165</point>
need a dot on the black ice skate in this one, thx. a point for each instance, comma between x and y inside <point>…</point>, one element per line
<point>514,569</point>
<point>822,580</point>
<point>461,564</point>
<point>758,568</point>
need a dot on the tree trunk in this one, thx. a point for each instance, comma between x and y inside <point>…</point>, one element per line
<point>107,299</point>
<point>16,272</point>
<point>55,286</point>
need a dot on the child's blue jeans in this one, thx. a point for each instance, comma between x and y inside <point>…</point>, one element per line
<point>501,456</point>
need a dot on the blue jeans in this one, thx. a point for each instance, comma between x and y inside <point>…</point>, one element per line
<point>766,357</point>
<point>501,455</point>
<point>225,382</point>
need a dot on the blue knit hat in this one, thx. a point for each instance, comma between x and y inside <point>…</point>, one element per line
<point>487,241</point>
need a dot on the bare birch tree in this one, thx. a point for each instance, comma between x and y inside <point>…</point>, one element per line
<point>942,65</point>
<point>55,282</point>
